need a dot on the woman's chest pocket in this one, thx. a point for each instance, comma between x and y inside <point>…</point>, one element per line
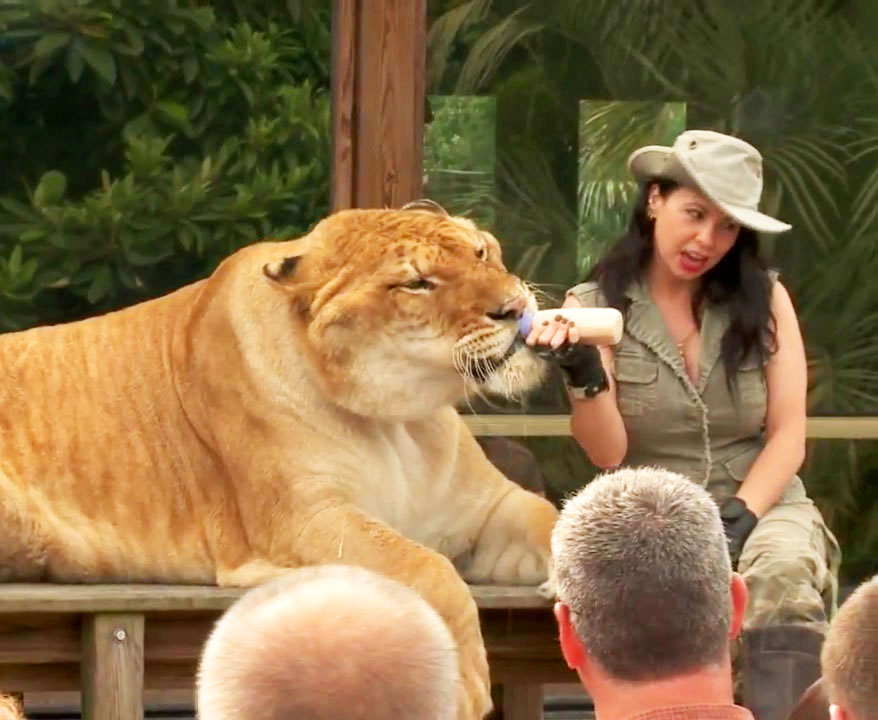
<point>751,382</point>
<point>752,398</point>
<point>636,378</point>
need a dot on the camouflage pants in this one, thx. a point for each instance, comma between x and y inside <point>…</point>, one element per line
<point>790,564</point>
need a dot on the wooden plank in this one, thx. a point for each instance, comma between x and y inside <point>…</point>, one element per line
<point>159,678</point>
<point>522,701</point>
<point>175,676</point>
<point>171,636</point>
<point>180,676</point>
<point>39,678</point>
<point>521,643</point>
<point>508,597</point>
<point>112,666</point>
<point>47,598</point>
<point>178,640</point>
<point>818,427</point>
<point>389,104</point>
<point>39,646</point>
<point>39,598</point>
<point>838,428</point>
<point>529,635</point>
<point>507,671</point>
<point>519,425</point>
<point>344,37</point>
<point>59,703</point>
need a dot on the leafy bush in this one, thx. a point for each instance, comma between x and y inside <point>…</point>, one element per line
<point>145,140</point>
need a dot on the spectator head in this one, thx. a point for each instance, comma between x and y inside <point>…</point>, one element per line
<point>849,659</point>
<point>329,642</point>
<point>645,585</point>
<point>10,708</point>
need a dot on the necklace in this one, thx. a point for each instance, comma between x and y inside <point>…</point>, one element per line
<point>685,339</point>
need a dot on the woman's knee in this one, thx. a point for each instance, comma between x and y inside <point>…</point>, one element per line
<point>785,589</point>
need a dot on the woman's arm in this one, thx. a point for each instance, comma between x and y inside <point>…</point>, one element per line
<point>786,380</point>
<point>595,422</point>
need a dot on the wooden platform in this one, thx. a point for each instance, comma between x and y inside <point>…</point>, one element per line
<point>116,642</point>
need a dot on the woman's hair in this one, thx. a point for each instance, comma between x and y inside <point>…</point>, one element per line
<point>740,281</point>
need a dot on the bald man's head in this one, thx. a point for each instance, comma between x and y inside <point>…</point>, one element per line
<point>9,708</point>
<point>329,642</point>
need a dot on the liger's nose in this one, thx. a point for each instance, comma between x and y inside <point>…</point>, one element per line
<point>512,309</point>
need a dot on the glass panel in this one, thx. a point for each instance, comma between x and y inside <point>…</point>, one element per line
<point>842,478</point>
<point>577,84</point>
<point>459,155</point>
<point>606,189</point>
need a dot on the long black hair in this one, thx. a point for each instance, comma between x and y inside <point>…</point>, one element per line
<point>740,281</point>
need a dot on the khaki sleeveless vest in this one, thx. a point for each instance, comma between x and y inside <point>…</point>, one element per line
<point>697,429</point>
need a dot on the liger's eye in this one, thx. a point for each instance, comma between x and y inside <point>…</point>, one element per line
<point>420,284</point>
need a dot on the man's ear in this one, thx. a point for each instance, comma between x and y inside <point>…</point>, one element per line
<point>571,645</point>
<point>837,712</point>
<point>740,596</point>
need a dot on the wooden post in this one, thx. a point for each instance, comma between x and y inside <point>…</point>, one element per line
<point>344,61</point>
<point>112,666</point>
<point>378,98</point>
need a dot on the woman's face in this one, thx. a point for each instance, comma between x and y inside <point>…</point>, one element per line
<point>691,233</point>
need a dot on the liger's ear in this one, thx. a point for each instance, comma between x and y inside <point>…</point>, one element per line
<point>426,205</point>
<point>281,271</point>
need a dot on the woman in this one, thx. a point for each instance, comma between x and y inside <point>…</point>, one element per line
<point>710,380</point>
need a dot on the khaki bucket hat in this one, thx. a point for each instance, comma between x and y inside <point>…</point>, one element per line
<point>725,168</point>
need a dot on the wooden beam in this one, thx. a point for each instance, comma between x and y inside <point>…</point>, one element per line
<point>842,428</point>
<point>378,97</point>
<point>818,428</point>
<point>112,666</point>
<point>45,598</point>
<point>519,425</point>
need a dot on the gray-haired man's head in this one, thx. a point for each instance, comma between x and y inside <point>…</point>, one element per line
<point>643,566</point>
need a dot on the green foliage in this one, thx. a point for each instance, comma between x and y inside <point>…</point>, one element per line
<point>145,140</point>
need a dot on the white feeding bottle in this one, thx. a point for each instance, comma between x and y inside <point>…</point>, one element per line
<point>596,326</point>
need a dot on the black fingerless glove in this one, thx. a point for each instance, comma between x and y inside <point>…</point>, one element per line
<point>582,367</point>
<point>738,522</point>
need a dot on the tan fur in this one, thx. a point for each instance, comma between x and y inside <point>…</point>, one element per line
<point>274,416</point>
